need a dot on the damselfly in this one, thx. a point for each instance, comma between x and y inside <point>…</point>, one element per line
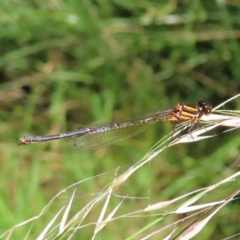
<point>88,137</point>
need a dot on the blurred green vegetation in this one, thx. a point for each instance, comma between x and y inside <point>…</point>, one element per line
<point>66,64</point>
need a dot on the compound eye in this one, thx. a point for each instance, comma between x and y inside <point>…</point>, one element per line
<point>208,111</point>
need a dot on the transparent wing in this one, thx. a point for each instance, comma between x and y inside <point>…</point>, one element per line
<point>98,139</point>
<point>115,132</point>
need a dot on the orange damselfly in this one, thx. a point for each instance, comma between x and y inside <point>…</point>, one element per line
<point>88,137</point>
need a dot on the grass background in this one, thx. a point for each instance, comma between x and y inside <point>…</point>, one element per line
<point>66,64</point>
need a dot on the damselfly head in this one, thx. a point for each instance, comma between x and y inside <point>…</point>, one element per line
<point>205,108</point>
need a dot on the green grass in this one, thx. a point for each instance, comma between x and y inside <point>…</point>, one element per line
<point>74,63</point>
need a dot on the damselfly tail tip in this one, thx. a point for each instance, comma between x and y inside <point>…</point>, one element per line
<point>22,141</point>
